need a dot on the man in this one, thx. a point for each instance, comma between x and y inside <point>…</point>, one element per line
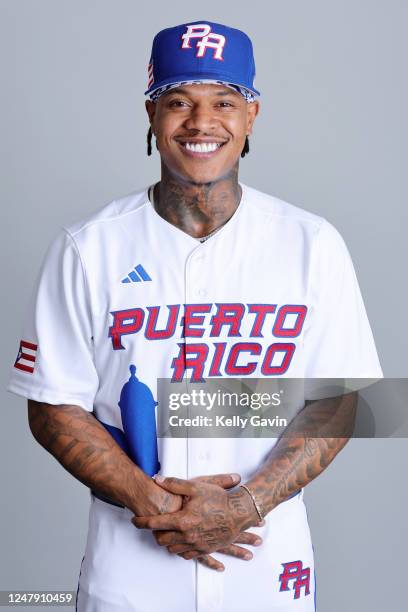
<point>197,277</point>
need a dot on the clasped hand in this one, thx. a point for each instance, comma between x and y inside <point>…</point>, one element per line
<point>211,518</point>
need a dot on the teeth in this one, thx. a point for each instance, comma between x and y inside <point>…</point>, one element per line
<point>205,147</point>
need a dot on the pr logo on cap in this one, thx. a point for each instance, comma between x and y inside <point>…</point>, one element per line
<point>209,40</point>
<point>201,52</point>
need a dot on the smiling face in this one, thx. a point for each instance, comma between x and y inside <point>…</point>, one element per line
<point>201,130</point>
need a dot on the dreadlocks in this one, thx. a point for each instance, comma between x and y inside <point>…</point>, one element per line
<point>149,141</point>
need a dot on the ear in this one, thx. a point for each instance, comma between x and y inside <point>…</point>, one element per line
<point>252,112</point>
<point>151,110</point>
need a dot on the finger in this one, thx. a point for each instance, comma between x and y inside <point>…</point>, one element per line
<point>196,554</point>
<point>210,562</point>
<point>226,481</point>
<point>171,521</point>
<point>191,554</point>
<point>181,548</point>
<point>176,485</point>
<point>166,538</point>
<point>245,537</point>
<point>236,551</point>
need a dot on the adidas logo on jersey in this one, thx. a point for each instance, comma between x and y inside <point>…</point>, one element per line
<point>137,275</point>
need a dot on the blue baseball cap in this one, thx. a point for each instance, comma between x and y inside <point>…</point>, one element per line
<point>201,52</point>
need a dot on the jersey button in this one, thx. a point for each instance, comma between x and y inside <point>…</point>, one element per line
<point>201,292</point>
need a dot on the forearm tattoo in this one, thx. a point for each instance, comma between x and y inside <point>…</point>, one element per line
<point>83,446</point>
<point>307,447</point>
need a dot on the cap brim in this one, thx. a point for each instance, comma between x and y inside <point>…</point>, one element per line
<point>204,78</point>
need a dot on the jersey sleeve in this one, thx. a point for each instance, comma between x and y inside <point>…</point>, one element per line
<point>54,363</point>
<point>338,339</point>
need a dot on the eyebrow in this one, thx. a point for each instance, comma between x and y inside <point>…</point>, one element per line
<point>182,90</point>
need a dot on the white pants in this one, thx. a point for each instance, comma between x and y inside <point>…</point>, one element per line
<point>125,570</point>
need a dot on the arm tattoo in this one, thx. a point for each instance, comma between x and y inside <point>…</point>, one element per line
<point>82,445</point>
<point>308,445</point>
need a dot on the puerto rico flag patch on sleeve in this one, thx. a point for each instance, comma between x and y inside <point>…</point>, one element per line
<point>26,356</point>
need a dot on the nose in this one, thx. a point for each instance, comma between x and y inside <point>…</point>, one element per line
<point>201,118</point>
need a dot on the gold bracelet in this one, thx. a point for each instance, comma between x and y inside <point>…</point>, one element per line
<point>258,506</point>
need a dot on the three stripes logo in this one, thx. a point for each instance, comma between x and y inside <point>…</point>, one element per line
<point>137,275</point>
<point>26,356</point>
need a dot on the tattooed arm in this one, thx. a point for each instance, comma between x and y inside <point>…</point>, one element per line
<point>309,444</point>
<point>83,447</point>
<point>211,518</point>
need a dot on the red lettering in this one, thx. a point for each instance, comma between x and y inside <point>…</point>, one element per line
<point>280,331</point>
<point>232,368</point>
<point>287,348</point>
<point>120,328</point>
<point>260,310</point>
<point>151,332</point>
<point>190,356</point>
<point>192,318</point>
<point>227,314</point>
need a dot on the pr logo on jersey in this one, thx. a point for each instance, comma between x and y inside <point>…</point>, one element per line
<point>137,275</point>
<point>27,353</point>
<point>295,577</point>
<point>206,40</point>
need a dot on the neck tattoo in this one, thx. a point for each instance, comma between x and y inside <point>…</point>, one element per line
<point>202,238</point>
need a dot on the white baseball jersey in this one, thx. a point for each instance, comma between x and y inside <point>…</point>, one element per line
<point>124,298</point>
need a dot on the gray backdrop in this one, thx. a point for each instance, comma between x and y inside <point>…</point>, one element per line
<point>331,137</point>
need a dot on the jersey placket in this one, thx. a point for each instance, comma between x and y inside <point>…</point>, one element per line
<point>209,583</point>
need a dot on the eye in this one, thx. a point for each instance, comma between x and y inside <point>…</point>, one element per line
<point>225,104</point>
<point>177,103</point>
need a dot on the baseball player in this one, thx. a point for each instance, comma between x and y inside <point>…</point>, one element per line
<point>195,277</point>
